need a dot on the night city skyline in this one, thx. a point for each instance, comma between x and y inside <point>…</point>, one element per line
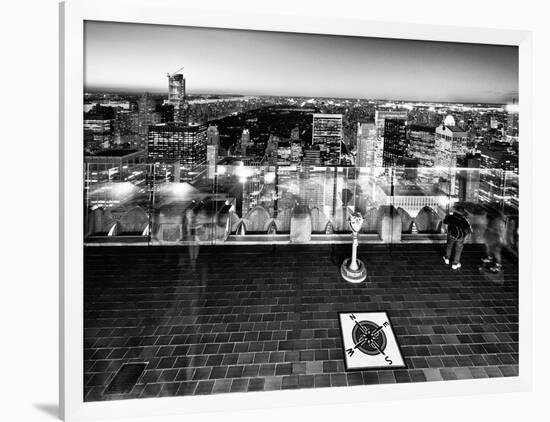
<point>253,184</point>
<point>222,61</point>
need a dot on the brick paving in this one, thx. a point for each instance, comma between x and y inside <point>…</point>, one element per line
<point>260,318</point>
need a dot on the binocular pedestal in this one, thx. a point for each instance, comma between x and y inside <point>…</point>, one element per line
<point>353,269</point>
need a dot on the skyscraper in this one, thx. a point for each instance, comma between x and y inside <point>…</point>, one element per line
<point>499,175</point>
<point>368,153</point>
<point>166,112</point>
<point>211,160</point>
<point>176,88</point>
<point>146,117</point>
<point>177,95</point>
<point>213,135</point>
<point>183,145</point>
<point>212,149</point>
<point>380,117</point>
<point>395,141</point>
<point>245,141</point>
<point>421,144</point>
<point>125,127</point>
<point>327,136</point>
<point>512,121</point>
<point>271,149</point>
<point>98,125</point>
<point>450,143</point>
<point>468,177</point>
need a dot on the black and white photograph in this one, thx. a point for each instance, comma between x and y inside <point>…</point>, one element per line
<point>275,211</point>
<point>269,210</point>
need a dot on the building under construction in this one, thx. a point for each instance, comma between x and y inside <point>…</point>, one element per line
<point>177,96</point>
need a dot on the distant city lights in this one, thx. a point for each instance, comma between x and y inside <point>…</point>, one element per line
<point>512,108</point>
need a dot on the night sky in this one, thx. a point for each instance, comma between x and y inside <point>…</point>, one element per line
<point>137,57</point>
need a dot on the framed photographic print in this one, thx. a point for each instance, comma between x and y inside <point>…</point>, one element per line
<point>263,210</point>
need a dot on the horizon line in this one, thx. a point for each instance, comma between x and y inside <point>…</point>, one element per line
<point>113,90</point>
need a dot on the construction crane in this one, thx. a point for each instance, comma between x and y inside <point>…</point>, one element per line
<point>177,71</point>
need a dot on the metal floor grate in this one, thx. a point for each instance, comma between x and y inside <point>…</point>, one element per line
<point>126,378</point>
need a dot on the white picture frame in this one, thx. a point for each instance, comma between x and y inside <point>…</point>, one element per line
<point>73,13</point>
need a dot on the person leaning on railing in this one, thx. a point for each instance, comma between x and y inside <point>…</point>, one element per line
<point>458,228</point>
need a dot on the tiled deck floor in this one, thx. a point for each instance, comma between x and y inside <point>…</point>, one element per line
<point>252,318</point>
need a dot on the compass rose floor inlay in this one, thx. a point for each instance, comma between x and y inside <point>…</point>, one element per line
<point>369,341</point>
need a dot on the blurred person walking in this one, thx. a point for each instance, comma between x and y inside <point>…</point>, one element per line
<point>495,238</point>
<point>194,227</point>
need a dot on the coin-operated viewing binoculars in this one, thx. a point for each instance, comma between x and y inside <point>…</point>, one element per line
<point>353,269</point>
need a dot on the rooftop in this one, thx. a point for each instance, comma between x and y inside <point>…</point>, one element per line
<point>455,129</point>
<point>412,190</point>
<point>114,153</point>
<point>422,128</point>
<point>255,318</point>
